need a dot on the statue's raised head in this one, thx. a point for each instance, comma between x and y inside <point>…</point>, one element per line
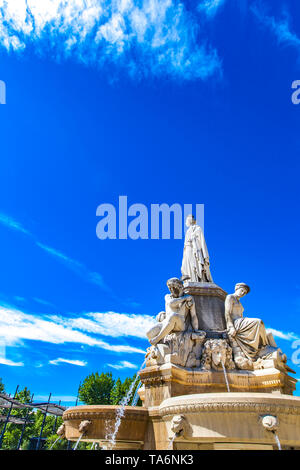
<point>190,220</point>
<point>175,286</point>
<point>241,289</point>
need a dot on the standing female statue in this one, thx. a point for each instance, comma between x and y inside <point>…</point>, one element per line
<point>248,336</point>
<point>195,262</point>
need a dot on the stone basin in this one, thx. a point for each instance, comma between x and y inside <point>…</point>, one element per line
<point>232,420</point>
<point>103,417</point>
<point>211,421</point>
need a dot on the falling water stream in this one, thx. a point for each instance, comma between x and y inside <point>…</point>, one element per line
<point>77,442</point>
<point>226,377</point>
<point>170,446</point>
<point>120,412</point>
<point>55,442</point>
<point>136,395</point>
<point>277,440</point>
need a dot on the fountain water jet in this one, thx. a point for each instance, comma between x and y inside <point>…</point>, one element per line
<point>277,440</point>
<point>136,395</point>
<point>77,442</point>
<point>226,377</point>
<point>170,446</point>
<point>83,427</point>
<point>120,412</point>
<point>59,438</point>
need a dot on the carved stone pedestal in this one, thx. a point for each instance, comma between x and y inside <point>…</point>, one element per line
<point>209,300</point>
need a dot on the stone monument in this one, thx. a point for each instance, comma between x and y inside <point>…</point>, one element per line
<point>214,378</point>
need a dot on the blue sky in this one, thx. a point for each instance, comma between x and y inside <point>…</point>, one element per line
<point>165,102</point>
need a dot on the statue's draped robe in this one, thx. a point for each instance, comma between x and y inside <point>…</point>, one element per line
<point>194,253</point>
<point>251,335</point>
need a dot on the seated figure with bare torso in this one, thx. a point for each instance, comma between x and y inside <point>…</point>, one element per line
<point>176,331</point>
<point>175,317</point>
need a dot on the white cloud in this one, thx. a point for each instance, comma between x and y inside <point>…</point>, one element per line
<point>210,7</point>
<point>281,28</point>
<point>8,362</point>
<point>157,37</point>
<point>123,365</point>
<point>79,268</point>
<point>9,222</point>
<point>282,334</point>
<point>110,324</point>
<point>74,362</point>
<point>16,325</point>
<point>43,302</point>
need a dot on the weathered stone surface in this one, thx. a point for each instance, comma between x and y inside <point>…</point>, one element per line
<point>131,433</point>
<point>232,418</point>
<point>195,261</point>
<point>209,301</point>
<point>168,380</point>
<point>201,348</point>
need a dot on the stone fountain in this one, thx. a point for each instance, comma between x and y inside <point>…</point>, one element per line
<point>214,378</point>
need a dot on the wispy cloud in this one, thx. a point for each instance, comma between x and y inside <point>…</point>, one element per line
<point>144,37</point>
<point>123,365</point>
<point>16,325</point>
<point>289,336</point>
<point>111,324</point>
<point>280,27</point>
<point>8,362</point>
<point>79,268</point>
<point>44,302</point>
<point>210,7</point>
<point>73,362</point>
<point>12,224</point>
<point>76,266</point>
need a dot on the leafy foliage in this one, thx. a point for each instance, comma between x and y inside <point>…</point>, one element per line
<point>2,388</point>
<point>97,388</point>
<point>102,389</point>
<point>13,431</point>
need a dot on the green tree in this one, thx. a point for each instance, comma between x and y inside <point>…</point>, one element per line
<point>13,431</point>
<point>96,389</point>
<point>2,388</point>
<point>116,393</point>
<point>121,389</point>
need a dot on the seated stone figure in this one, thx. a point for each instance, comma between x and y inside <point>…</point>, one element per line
<point>175,338</point>
<point>248,336</point>
<point>178,309</point>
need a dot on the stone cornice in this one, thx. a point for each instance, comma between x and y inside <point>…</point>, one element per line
<point>169,372</point>
<point>137,414</point>
<point>204,288</point>
<point>237,406</point>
